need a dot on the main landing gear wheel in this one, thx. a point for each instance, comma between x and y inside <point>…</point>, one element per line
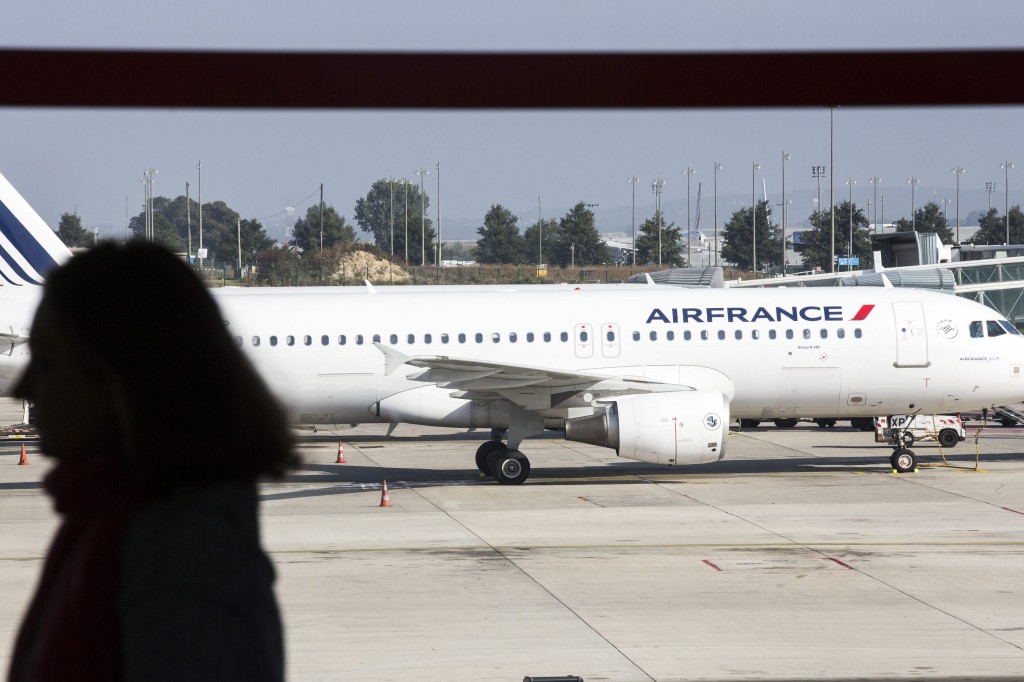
<point>903,461</point>
<point>785,423</point>
<point>484,451</point>
<point>511,467</point>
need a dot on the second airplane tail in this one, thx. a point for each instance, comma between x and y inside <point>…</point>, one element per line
<point>28,247</point>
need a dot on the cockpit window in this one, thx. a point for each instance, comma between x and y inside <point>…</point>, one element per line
<point>994,328</point>
<point>977,330</point>
<point>1010,329</point>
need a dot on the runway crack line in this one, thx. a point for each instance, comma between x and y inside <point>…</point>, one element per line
<point>500,552</point>
<point>795,543</point>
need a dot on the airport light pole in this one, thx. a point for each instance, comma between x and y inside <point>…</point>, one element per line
<point>1006,166</point>
<point>423,218</point>
<point>391,188</point>
<point>785,157</point>
<point>753,214</point>
<point>990,187</point>
<point>958,171</point>
<point>718,167</point>
<point>874,180</point>
<point>656,186</point>
<point>688,173</point>
<point>912,181</point>
<point>849,255</point>
<point>883,209</point>
<point>439,257</point>
<point>540,232</point>
<point>405,181</point>
<point>818,172</point>
<point>199,167</point>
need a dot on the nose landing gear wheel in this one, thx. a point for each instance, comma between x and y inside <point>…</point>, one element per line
<point>511,467</point>
<point>903,461</point>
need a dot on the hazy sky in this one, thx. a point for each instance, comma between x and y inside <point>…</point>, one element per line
<point>259,162</point>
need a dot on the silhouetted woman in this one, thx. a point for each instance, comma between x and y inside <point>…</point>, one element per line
<point>160,428</point>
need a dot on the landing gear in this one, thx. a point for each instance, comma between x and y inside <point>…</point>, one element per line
<point>511,467</point>
<point>903,460</point>
<point>508,467</point>
<point>825,423</point>
<point>484,451</point>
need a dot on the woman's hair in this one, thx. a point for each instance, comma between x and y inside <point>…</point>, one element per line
<point>195,409</point>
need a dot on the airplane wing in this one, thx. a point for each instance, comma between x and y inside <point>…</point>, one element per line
<point>529,387</point>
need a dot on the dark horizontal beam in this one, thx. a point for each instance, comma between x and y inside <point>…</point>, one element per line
<point>527,80</point>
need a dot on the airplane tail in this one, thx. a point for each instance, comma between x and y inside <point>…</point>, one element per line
<point>28,247</point>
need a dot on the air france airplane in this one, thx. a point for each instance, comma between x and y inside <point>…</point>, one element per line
<point>654,372</point>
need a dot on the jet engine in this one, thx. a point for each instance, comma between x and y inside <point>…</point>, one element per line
<point>679,427</point>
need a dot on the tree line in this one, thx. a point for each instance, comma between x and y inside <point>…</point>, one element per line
<point>394,214</point>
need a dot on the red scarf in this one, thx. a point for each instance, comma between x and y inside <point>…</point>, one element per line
<point>71,630</point>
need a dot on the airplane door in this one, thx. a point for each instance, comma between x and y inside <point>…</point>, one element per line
<point>610,340</point>
<point>583,336</point>
<point>911,340</point>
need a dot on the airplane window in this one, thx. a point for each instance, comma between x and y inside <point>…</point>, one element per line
<point>704,335</point>
<point>841,333</point>
<point>529,337</point>
<point>564,336</point>
<point>410,339</point>
<point>290,340</point>
<point>359,339</point>
<point>654,336</point>
<point>610,335</point>
<point>342,340</point>
<point>807,333</point>
<point>687,335</point>
<point>307,339</point>
<point>495,337</point>
<point>273,340</point>
<point>824,333</point>
<point>376,338</point>
<point>754,334</point>
<point>636,336</point>
<point>444,338</point>
<point>584,336</point>
<point>721,335</point>
<point>324,340</point>
<point>462,338</point>
<point>670,335</point>
<point>857,333</point>
<point>739,334</point>
<point>1010,329</point>
<point>394,339</point>
<point>513,337</point>
<point>994,328</point>
<point>238,341</point>
<point>479,337</point>
<point>789,333</point>
<point>547,337</point>
<point>427,338</point>
<point>772,334</point>
<point>977,331</point>
<point>255,340</point>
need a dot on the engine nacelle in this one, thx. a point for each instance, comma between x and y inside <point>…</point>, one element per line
<point>682,427</point>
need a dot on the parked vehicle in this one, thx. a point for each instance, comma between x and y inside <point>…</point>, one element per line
<point>904,429</point>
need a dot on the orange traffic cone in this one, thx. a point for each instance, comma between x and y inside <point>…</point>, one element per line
<point>24,458</point>
<point>385,501</point>
<point>341,454</point>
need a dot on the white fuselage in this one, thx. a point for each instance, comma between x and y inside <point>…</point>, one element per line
<point>836,352</point>
<point>774,353</point>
